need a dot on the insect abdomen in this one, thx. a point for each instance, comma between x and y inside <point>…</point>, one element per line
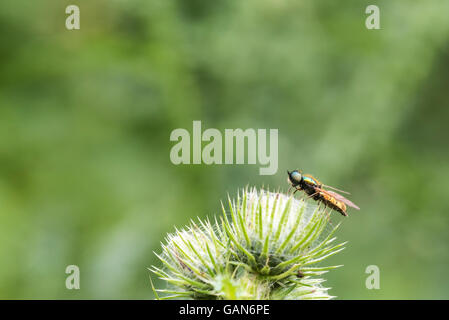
<point>333,203</point>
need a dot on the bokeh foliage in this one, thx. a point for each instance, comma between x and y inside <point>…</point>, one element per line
<point>85,120</point>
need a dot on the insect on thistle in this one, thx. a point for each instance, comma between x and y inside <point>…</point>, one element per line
<point>314,189</point>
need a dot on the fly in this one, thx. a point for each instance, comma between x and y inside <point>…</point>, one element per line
<point>315,189</point>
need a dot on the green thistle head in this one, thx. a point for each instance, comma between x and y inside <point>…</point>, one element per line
<point>265,247</point>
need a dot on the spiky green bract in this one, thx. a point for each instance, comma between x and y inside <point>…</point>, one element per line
<point>266,246</point>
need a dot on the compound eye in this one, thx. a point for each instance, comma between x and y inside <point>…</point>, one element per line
<point>296,175</point>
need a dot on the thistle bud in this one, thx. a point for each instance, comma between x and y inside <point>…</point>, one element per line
<point>265,246</point>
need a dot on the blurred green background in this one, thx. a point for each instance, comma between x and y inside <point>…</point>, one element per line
<point>86,116</point>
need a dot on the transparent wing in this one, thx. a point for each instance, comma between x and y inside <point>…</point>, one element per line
<point>339,197</point>
<point>335,189</point>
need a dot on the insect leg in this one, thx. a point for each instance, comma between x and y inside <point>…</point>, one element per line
<point>327,213</point>
<point>293,188</point>
<point>312,194</point>
<point>328,217</point>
